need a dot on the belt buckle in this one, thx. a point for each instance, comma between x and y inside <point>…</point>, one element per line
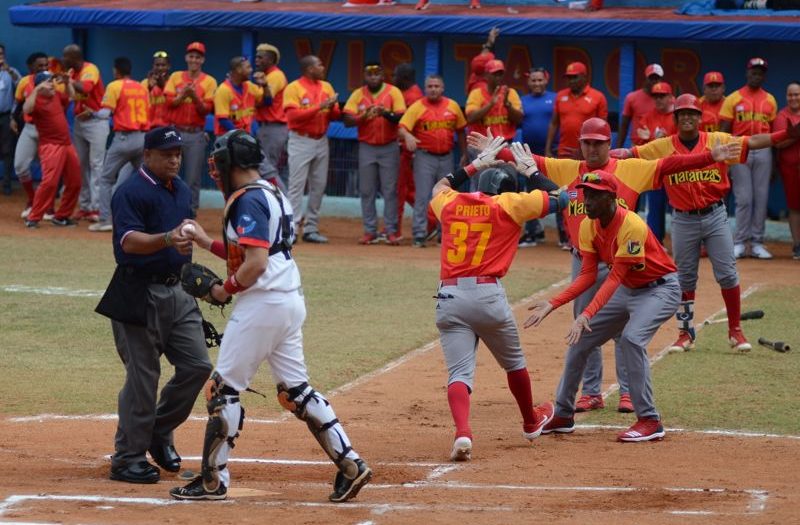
<point>171,280</point>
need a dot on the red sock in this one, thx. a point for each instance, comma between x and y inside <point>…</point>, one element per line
<point>458,398</point>
<point>519,382</point>
<point>733,304</point>
<point>687,295</point>
<point>27,185</point>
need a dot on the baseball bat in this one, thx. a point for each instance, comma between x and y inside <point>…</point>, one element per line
<point>752,314</point>
<point>778,346</point>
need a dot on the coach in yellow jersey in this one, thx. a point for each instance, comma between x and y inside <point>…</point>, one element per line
<point>480,232</point>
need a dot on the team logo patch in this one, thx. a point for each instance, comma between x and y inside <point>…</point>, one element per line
<point>564,99</point>
<point>634,247</point>
<point>246,225</point>
<point>305,101</point>
<point>572,194</point>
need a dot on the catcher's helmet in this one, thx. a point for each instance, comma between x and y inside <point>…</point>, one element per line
<point>234,148</point>
<point>494,181</point>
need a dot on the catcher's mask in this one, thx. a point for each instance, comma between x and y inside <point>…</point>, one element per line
<point>494,181</point>
<point>234,148</point>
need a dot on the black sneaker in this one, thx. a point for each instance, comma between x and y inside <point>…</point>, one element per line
<point>796,252</point>
<point>315,237</point>
<point>526,241</point>
<point>31,224</point>
<point>141,472</point>
<point>419,242</point>
<point>345,489</point>
<point>196,491</point>
<point>63,221</point>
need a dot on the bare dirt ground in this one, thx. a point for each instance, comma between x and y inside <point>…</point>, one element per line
<point>57,470</point>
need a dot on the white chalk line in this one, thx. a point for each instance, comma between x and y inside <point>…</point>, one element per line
<point>269,461</point>
<point>50,290</point>
<point>666,351</point>
<point>41,418</point>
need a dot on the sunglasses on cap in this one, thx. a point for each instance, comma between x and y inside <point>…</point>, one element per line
<point>757,62</point>
<point>591,177</point>
<point>160,54</point>
<point>373,68</point>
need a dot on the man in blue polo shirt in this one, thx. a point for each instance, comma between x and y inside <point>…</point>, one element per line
<point>150,313</point>
<point>537,107</point>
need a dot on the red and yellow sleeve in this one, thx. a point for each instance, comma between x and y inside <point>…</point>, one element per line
<point>442,199</point>
<point>170,88</point>
<point>586,235</point>
<point>276,81</point>
<point>656,149</point>
<point>514,100</point>
<point>19,94</point>
<point>719,137</point>
<point>561,171</point>
<point>89,77</point>
<point>209,84</point>
<point>111,97</point>
<point>638,174</point>
<point>522,207</point>
<point>726,111</point>
<point>398,102</point>
<point>461,121</point>
<point>410,117</point>
<point>291,96</point>
<point>222,102</point>
<point>474,101</point>
<point>351,106</point>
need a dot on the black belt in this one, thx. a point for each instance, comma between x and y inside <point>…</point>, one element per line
<point>5,113</point>
<point>653,284</point>
<point>437,154</point>
<point>167,279</point>
<point>703,211</point>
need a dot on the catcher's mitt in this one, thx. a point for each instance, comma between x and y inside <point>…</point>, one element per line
<point>197,281</point>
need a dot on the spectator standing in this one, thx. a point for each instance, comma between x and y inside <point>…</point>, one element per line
<point>655,124</point>
<point>129,103</point>
<point>47,108</point>
<point>155,83</point>
<point>376,108</point>
<point>574,106</point>
<point>90,129</point>
<point>9,77</point>
<point>789,162</point>
<point>150,313</point>
<point>712,99</point>
<point>477,72</point>
<point>427,130</point>
<point>405,80</point>
<point>28,137</point>
<point>537,112</point>
<point>495,106</point>
<point>638,103</point>
<point>272,130</point>
<point>751,110</point>
<point>237,97</point>
<point>310,104</point>
<point>190,97</point>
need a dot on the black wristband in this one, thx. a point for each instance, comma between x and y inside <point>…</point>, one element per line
<point>457,179</point>
<point>394,118</point>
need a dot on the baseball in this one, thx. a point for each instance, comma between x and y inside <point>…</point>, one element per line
<point>187,230</point>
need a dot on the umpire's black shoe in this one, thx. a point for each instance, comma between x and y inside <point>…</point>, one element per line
<point>196,490</point>
<point>142,472</point>
<point>345,489</point>
<point>165,456</point>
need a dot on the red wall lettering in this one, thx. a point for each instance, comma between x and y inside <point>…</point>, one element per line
<point>355,64</point>
<point>465,53</point>
<point>394,52</point>
<point>517,64</point>
<point>681,67</point>
<point>611,75</point>
<point>302,47</point>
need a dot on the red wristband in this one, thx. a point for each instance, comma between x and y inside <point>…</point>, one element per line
<point>470,169</point>
<point>232,286</point>
<point>778,136</point>
<point>218,249</point>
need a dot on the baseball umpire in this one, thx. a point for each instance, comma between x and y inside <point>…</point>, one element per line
<point>150,314</point>
<point>480,232</point>
<point>265,325</point>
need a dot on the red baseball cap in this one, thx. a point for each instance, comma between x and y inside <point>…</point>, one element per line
<point>713,77</point>
<point>493,66</point>
<point>688,101</point>
<point>197,47</point>
<point>757,62</point>
<point>598,180</point>
<point>575,68</point>
<point>595,128</point>
<point>654,69</point>
<point>478,63</point>
<point>661,88</point>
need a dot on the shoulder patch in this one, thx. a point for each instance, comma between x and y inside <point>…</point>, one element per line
<point>246,225</point>
<point>634,247</point>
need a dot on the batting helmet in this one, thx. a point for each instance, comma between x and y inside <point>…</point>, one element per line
<point>494,181</point>
<point>687,101</point>
<point>234,148</point>
<point>595,128</point>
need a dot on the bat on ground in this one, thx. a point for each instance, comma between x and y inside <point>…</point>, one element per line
<point>778,346</point>
<point>752,314</point>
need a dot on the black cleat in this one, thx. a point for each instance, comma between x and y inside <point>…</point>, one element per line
<point>196,491</point>
<point>345,489</point>
<point>165,456</point>
<point>142,472</point>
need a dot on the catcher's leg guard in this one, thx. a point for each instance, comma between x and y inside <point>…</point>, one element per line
<point>312,407</point>
<point>225,420</point>
<point>685,317</point>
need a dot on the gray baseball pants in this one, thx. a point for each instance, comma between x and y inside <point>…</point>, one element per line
<point>173,329</point>
<point>194,162</point>
<point>127,146</point>
<point>751,189</point>
<point>273,137</point>
<point>467,312</point>
<point>637,314</point>
<point>27,150</point>
<point>428,169</point>
<point>378,166</point>
<point>308,162</point>
<point>90,138</point>
<point>689,232</point>
<point>593,375</point>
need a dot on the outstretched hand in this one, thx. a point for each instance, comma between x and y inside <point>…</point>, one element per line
<point>540,310</point>
<point>478,141</point>
<point>486,158</point>
<point>580,324</point>
<point>725,152</point>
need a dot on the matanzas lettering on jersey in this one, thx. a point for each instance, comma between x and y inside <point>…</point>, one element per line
<point>472,210</point>
<point>433,125</point>
<point>579,208</point>
<point>691,176</point>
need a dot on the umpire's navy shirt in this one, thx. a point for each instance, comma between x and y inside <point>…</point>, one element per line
<point>143,203</point>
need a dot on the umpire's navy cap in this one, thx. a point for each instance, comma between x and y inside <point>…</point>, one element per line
<point>166,137</point>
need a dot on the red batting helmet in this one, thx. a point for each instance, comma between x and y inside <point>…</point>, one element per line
<point>688,101</point>
<point>595,128</point>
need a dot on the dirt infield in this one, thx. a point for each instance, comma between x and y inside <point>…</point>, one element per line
<point>56,470</point>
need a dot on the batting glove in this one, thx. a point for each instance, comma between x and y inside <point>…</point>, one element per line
<point>523,159</point>
<point>486,158</point>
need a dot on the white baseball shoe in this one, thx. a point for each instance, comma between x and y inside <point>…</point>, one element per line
<point>462,449</point>
<point>759,252</point>
<point>739,250</point>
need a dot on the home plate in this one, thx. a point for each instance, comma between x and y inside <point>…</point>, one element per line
<point>237,492</point>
